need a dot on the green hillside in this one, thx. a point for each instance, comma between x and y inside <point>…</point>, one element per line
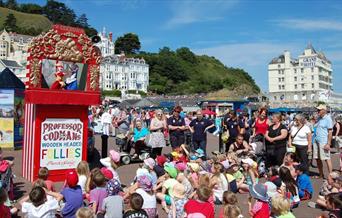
<point>183,72</point>
<point>25,20</point>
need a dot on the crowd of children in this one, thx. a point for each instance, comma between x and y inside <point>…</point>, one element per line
<point>193,187</point>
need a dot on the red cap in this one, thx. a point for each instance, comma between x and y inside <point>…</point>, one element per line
<point>161,160</point>
<point>107,173</point>
<point>72,179</point>
<point>61,74</point>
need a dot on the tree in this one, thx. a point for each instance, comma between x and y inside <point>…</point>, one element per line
<point>128,43</point>
<point>31,8</point>
<point>58,12</point>
<point>186,55</point>
<point>11,23</point>
<point>82,21</point>
<point>2,4</point>
<point>12,4</point>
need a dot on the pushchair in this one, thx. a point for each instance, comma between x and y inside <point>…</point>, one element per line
<point>259,150</point>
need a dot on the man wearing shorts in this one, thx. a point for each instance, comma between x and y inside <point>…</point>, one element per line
<point>321,148</point>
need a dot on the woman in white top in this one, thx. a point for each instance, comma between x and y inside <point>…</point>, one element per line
<point>157,139</point>
<point>301,137</point>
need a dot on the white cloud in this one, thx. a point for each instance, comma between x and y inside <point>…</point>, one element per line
<point>246,54</point>
<point>191,11</point>
<point>310,25</point>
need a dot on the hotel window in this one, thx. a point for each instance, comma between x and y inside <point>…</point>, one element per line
<point>302,86</point>
<point>312,85</point>
<point>295,79</point>
<point>302,70</point>
<point>312,77</point>
<point>278,65</point>
<point>279,71</point>
<point>295,86</point>
<point>295,70</point>
<point>279,79</point>
<point>312,69</point>
<point>283,87</point>
<point>283,79</point>
<point>279,87</point>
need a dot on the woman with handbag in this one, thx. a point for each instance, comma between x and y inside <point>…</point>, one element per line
<point>276,141</point>
<point>157,138</point>
<point>300,138</point>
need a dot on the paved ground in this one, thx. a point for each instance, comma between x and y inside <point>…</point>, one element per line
<point>127,173</point>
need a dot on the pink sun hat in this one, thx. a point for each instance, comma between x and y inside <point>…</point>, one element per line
<point>115,156</point>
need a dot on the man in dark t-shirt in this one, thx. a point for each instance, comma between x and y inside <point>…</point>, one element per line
<point>233,127</point>
<point>177,127</point>
<point>198,128</point>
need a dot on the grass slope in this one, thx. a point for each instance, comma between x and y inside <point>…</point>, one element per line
<point>25,20</point>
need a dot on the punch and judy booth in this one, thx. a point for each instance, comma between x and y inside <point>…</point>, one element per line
<point>63,80</point>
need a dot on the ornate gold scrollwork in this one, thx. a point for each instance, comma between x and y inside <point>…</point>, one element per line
<point>35,75</point>
<point>94,77</point>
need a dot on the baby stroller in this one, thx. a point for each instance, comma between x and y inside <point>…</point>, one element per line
<point>259,150</point>
<point>125,145</point>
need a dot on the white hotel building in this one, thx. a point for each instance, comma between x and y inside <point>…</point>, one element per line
<point>119,72</point>
<point>304,80</point>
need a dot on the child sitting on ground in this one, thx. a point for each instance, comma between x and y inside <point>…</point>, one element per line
<point>72,195</point>
<point>4,210</point>
<point>230,206</point>
<point>85,212</point>
<point>43,174</point>
<point>40,206</point>
<point>83,173</point>
<point>112,205</point>
<point>281,207</point>
<point>305,189</point>
<point>261,208</point>
<point>99,193</point>
<point>200,207</point>
<point>178,202</point>
<point>136,202</point>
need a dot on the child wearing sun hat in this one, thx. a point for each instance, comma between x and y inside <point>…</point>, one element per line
<point>178,201</point>
<point>112,163</point>
<point>72,195</point>
<point>167,186</point>
<point>112,205</point>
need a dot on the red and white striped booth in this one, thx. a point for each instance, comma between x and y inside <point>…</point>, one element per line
<point>56,120</point>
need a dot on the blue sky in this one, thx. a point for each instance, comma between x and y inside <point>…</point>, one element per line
<point>240,33</point>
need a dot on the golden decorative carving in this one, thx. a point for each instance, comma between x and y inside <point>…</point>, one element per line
<point>69,34</point>
<point>35,75</point>
<point>94,77</point>
<point>67,50</point>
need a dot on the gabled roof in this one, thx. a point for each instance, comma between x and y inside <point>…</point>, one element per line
<point>9,80</point>
<point>9,63</point>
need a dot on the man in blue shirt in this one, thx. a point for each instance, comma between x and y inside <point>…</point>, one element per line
<point>323,139</point>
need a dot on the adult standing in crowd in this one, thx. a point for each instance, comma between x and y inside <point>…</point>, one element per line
<point>233,128</point>
<point>337,137</point>
<point>276,141</point>
<point>261,123</point>
<point>157,139</point>
<point>177,127</point>
<point>300,136</point>
<point>198,128</point>
<point>321,149</point>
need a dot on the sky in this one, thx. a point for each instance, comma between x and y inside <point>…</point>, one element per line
<point>245,34</point>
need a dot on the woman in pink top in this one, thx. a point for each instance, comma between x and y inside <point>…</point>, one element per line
<point>261,122</point>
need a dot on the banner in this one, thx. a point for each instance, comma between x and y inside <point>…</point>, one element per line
<point>6,118</point>
<point>18,118</point>
<point>61,143</point>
